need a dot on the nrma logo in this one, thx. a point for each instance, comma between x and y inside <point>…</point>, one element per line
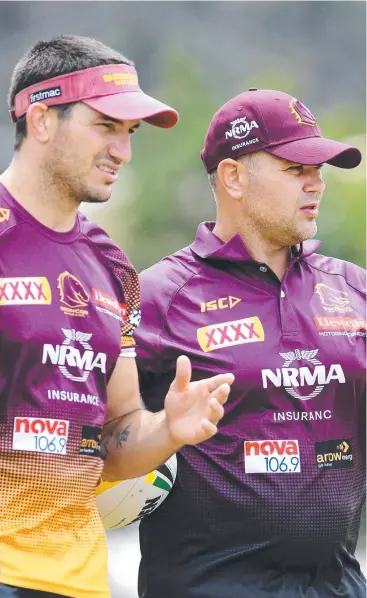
<point>312,379</point>
<point>68,356</point>
<point>241,128</point>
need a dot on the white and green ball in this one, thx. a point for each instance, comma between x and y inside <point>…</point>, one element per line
<point>122,503</point>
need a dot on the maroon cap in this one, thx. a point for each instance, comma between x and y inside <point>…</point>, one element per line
<point>111,89</point>
<point>273,121</point>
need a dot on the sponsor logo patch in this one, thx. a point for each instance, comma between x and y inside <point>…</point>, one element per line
<point>312,380</point>
<point>40,435</point>
<point>4,215</point>
<point>302,114</point>
<point>121,79</point>
<point>73,295</point>
<point>222,303</point>
<point>29,290</point>
<point>228,334</point>
<point>272,456</point>
<point>340,326</point>
<point>334,454</point>
<point>91,441</point>
<point>45,94</point>
<point>332,300</point>
<point>81,361</point>
<point>109,305</point>
<point>240,128</point>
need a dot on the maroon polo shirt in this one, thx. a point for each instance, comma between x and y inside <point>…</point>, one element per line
<point>270,506</point>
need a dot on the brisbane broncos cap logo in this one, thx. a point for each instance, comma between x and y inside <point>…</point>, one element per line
<point>72,292</point>
<point>332,300</point>
<point>302,114</point>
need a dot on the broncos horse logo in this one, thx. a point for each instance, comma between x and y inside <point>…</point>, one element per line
<point>333,300</point>
<point>72,292</point>
<point>302,114</point>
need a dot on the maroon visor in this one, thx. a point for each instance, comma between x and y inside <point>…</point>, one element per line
<point>111,89</point>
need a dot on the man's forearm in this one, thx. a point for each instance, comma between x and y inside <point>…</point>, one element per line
<point>135,444</point>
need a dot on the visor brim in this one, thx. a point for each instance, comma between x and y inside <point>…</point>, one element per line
<point>135,105</point>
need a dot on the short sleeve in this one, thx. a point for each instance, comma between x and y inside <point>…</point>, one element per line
<point>148,336</point>
<point>153,357</point>
<point>128,280</point>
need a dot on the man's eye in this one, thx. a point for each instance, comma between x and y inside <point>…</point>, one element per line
<point>132,131</point>
<point>106,125</point>
<point>299,168</point>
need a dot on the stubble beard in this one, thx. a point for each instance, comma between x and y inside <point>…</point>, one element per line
<point>63,182</point>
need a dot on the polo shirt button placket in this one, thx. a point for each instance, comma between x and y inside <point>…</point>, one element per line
<point>288,317</point>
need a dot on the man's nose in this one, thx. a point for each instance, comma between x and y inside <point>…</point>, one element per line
<point>120,149</point>
<point>314,184</point>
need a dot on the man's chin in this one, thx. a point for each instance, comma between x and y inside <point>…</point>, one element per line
<point>101,197</point>
<point>306,234</point>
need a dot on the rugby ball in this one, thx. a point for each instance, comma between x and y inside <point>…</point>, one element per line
<point>122,503</point>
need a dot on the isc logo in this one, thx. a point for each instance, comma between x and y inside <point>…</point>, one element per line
<point>222,303</point>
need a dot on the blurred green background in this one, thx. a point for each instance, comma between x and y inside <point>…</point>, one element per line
<point>159,202</point>
<point>169,192</point>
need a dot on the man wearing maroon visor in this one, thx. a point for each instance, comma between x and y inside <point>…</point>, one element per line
<point>270,506</point>
<point>69,306</point>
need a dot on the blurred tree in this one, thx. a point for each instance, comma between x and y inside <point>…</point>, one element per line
<point>169,194</point>
<point>167,203</point>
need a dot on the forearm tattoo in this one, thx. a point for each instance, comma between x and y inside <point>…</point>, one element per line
<point>121,435</point>
<point>116,437</point>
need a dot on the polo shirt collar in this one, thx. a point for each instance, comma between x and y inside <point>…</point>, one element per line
<point>209,247</point>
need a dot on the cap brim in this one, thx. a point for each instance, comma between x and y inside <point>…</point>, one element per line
<point>318,150</point>
<point>135,105</point>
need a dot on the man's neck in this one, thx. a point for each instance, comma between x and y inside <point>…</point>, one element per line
<point>39,197</point>
<point>276,258</point>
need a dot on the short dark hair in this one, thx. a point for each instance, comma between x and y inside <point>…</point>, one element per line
<point>58,56</point>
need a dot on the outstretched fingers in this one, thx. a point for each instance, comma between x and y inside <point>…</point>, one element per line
<point>216,382</point>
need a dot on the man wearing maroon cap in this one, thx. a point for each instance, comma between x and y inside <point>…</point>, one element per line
<point>270,506</point>
<point>69,305</point>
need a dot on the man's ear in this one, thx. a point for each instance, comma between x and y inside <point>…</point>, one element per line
<point>40,122</point>
<point>232,176</point>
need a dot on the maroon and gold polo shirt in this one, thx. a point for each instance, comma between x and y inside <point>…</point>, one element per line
<point>69,303</point>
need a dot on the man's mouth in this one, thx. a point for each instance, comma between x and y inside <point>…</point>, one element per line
<point>111,173</point>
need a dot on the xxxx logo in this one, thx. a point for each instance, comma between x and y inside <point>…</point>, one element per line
<point>31,290</point>
<point>227,334</point>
